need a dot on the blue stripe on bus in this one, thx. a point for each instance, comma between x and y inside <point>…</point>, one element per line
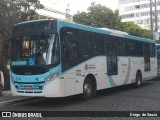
<point>30,21</point>
<point>139,39</point>
<point>87,28</point>
<point>111,81</point>
<point>31,78</point>
<point>97,30</point>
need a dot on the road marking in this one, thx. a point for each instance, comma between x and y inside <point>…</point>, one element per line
<point>5,102</point>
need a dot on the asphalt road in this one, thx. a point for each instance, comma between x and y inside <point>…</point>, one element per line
<point>124,98</point>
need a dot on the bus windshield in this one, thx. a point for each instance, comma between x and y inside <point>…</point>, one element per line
<point>35,50</point>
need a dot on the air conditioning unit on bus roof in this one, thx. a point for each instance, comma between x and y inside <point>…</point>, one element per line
<point>115,31</point>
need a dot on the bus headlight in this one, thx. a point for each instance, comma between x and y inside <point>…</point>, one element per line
<point>51,77</point>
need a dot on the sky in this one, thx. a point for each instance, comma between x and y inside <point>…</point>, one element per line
<point>75,5</point>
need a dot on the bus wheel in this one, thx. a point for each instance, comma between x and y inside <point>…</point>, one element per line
<point>88,89</point>
<point>138,80</point>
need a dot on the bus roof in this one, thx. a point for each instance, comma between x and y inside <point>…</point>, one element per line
<point>30,21</point>
<point>93,29</point>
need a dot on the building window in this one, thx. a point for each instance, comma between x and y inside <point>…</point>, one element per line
<point>137,6</point>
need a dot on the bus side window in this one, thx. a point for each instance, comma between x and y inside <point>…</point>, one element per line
<point>70,54</point>
<point>108,49</point>
<point>121,47</point>
<point>98,45</point>
<point>86,45</point>
<point>139,48</point>
<point>131,48</point>
<point>152,50</point>
<point>146,49</point>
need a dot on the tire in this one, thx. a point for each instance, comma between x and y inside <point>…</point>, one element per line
<point>89,89</point>
<point>138,82</point>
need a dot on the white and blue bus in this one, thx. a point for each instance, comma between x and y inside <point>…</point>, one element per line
<point>55,58</point>
<point>158,59</point>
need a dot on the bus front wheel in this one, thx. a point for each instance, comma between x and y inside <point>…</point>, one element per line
<point>88,89</point>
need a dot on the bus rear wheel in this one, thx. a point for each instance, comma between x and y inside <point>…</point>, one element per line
<point>88,89</point>
<point>138,80</point>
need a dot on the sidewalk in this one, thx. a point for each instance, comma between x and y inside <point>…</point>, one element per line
<point>5,93</point>
<point>6,97</point>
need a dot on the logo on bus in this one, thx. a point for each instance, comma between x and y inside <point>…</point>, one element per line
<point>86,67</point>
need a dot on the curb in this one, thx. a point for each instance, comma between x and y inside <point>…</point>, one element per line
<point>6,97</point>
<point>5,93</point>
<point>14,100</point>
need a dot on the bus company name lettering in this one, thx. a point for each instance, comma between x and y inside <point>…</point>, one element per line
<point>89,66</point>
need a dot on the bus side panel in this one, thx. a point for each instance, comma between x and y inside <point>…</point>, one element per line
<point>125,72</point>
<point>74,77</point>
<point>153,72</point>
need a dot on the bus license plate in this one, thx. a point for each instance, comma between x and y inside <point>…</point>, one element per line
<point>28,87</point>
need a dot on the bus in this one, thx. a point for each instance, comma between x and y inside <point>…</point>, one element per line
<point>158,59</point>
<point>56,58</point>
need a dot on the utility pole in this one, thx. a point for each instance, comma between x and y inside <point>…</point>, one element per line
<point>58,12</point>
<point>67,16</point>
<point>156,17</point>
<point>154,33</point>
<point>151,19</point>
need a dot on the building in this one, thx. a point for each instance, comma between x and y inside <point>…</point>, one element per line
<point>138,11</point>
<point>48,12</point>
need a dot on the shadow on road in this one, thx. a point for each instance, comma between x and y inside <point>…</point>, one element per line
<point>155,79</point>
<point>120,89</point>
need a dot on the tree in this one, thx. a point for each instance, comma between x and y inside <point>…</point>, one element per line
<point>101,16</point>
<point>98,16</point>
<point>82,18</point>
<point>135,30</point>
<point>13,11</point>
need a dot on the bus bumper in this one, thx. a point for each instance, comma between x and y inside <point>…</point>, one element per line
<point>51,89</point>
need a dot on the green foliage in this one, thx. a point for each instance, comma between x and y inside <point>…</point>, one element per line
<point>98,16</point>
<point>13,11</point>
<point>82,18</point>
<point>101,16</point>
<point>135,30</point>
